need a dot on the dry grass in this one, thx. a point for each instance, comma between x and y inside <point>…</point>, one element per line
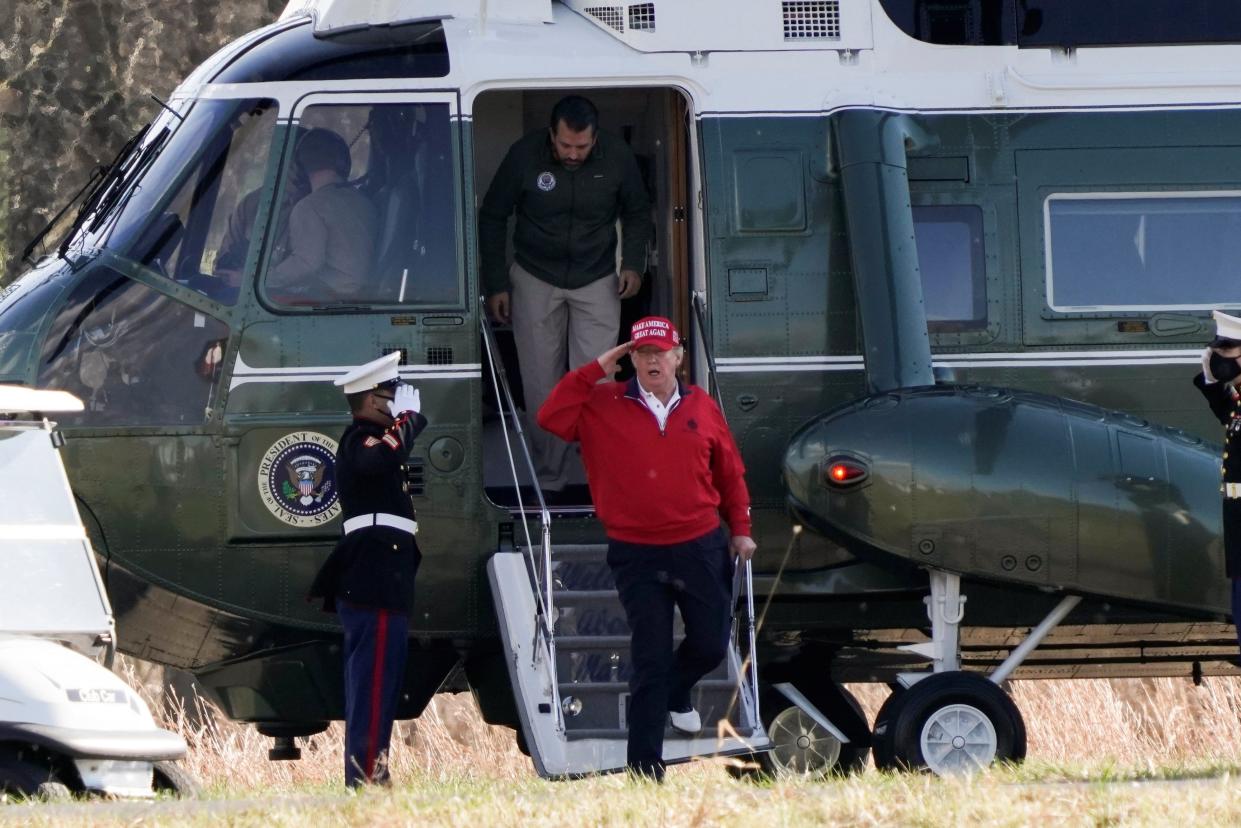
<point>449,741</point>
<point>451,769</point>
<point>1084,729</point>
<point>1129,724</point>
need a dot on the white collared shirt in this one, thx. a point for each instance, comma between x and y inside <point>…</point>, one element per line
<point>657,408</point>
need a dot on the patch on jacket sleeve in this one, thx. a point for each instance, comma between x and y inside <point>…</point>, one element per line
<point>392,442</point>
<point>370,442</point>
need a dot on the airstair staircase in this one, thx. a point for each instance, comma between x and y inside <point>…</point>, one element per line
<point>571,682</point>
<point>567,642</point>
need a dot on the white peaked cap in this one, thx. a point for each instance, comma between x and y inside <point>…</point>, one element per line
<point>1227,327</point>
<point>377,372</point>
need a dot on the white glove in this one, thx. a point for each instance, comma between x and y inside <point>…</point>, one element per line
<point>1207,376</point>
<point>406,398</point>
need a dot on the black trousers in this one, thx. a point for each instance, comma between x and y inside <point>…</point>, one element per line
<point>695,576</point>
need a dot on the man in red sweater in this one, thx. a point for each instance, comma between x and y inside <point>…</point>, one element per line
<point>662,467</point>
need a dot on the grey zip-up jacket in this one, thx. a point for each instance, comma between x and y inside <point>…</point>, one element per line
<point>566,232</point>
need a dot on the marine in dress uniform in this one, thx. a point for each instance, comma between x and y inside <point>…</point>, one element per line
<point>663,467</point>
<point>1221,373</point>
<point>369,577</point>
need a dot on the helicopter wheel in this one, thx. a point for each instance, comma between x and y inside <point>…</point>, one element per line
<point>802,747</point>
<point>948,723</point>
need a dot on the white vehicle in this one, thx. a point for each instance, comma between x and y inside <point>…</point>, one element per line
<point>67,722</point>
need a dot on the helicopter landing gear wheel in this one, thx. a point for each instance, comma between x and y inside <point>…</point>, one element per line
<point>800,746</point>
<point>949,723</point>
<point>803,747</point>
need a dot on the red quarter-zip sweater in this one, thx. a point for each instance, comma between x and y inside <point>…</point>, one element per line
<point>651,486</point>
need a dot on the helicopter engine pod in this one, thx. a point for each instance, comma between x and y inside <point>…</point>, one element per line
<point>1018,487</point>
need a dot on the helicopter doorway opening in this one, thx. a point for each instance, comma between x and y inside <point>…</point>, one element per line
<point>654,123</point>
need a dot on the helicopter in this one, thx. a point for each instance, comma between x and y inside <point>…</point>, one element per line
<point>947,267</point>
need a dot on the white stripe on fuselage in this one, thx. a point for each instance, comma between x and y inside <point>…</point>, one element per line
<point>244,374</point>
<point>1028,359</point>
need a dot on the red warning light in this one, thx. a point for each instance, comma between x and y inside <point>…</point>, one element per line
<point>845,472</point>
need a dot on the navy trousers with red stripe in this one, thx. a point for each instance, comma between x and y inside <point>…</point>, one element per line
<point>375,652</point>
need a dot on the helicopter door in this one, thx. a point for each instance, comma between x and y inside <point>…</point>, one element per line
<point>654,122</point>
<point>363,255</point>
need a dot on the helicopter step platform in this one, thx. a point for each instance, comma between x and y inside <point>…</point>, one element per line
<point>570,681</point>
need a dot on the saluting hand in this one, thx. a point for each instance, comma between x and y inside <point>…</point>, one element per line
<point>610,360</point>
<point>742,546</point>
<point>406,398</point>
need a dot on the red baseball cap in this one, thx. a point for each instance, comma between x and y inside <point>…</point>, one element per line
<point>656,331</point>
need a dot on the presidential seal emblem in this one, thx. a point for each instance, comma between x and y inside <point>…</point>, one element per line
<point>546,182</point>
<point>297,479</point>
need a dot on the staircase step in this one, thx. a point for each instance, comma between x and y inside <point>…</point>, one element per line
<point>595,613</point>
<point>582,575</point>
<point>604,706</point>
<point>580,551</point>
<point>617,687</point>
<point>669,734</point>
<point>593,618</point>
<point>568,643</point>
<point>603,658</point>
<point>583,595</point>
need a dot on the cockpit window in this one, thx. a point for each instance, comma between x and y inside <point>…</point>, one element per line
<point>192,214</point>
<point>133,355</point>
<point>366,212</point>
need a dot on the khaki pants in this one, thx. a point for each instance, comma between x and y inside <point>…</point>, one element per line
<point>553,325</point>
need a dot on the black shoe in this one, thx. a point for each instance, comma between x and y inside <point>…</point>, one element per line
<point>646,772</point>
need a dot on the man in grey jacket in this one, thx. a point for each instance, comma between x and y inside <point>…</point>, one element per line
<point>568,186</point>
<point>331,231</point>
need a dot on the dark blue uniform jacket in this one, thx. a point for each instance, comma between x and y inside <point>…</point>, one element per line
<point>1226,406</point>
<point>373,567</point>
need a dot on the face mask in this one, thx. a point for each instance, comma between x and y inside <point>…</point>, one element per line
<point>1223,368</point>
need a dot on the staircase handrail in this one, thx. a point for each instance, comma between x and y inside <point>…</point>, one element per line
<point>543,573</point>
<point>700,315</point>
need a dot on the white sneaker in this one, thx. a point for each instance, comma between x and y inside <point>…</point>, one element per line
<point>688,722</point>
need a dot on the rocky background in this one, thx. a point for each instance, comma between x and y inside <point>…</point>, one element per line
<point>76,79</point>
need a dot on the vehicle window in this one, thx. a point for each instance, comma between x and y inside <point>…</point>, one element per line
<point>192,216</point>
<point>404,50</point>
<point>49,586</point>
<point>1143,251</point>
<point>1066,23</point>
<point>23,305</point>
<point>366,214</point>
<point>132,354</point>
<point>32,490</point>
<point>953,266</point>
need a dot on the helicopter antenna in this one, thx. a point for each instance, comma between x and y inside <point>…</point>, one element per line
<point>174,112</point>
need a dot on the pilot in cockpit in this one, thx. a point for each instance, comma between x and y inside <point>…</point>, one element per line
<point>331,230</point>
<point>236,243</point>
